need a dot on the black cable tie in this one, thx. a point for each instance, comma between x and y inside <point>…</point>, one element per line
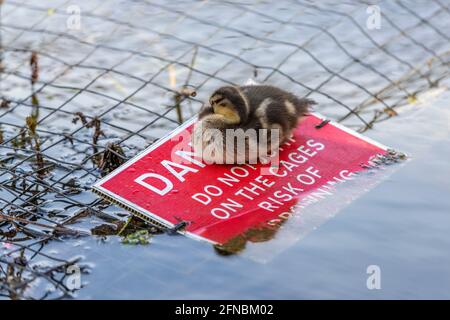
<point>322,124</point>
<point>179,226</point>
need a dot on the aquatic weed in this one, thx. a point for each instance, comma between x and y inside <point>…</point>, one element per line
<point>111,158</point>
<point>139,237</point>
<point>34,65</point>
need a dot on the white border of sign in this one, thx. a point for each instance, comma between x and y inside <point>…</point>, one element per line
<point>97,186</point>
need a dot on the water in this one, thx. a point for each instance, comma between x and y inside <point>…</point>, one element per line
<point>401,224</point>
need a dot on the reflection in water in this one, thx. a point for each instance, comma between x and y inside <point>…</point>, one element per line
<point>261,233</point>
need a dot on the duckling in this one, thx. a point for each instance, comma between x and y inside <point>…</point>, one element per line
<point>241,109</point>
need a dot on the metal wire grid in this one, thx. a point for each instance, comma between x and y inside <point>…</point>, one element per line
<point>41,200</point>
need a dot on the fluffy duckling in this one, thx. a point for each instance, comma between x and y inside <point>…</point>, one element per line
<point>247,107</point>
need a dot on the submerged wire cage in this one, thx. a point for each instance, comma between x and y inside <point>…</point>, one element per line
<point>85,87</point>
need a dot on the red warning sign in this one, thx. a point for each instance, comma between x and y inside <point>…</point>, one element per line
<point>166,183</point>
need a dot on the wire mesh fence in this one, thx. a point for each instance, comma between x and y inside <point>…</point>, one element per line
<point>85,86</point>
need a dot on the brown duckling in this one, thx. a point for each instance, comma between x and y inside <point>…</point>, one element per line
<point>265,114</point>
